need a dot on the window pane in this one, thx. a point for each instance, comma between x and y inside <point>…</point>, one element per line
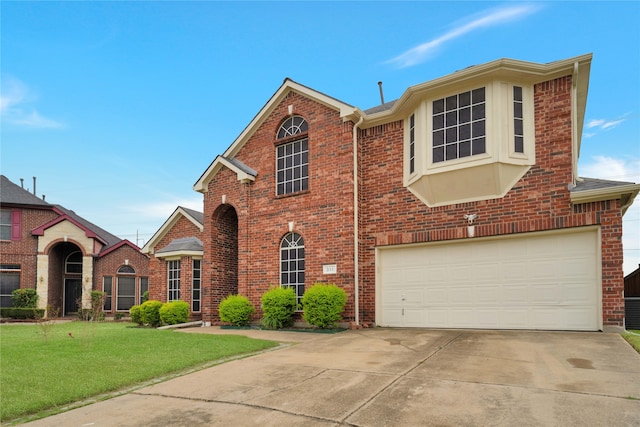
<point>438,106</point>
<point>452,118</point>
<point>465,149</point>
<point>477,112</point>
<point>438,154</point>
<point>464,99</point>
<point>465,115</point>
<point>452,102</point>
<point>438,138</point>
<point>478,146</point>
<point>452,151</point>
<point>477,95</point>
<point>517,93</point>
<point>519,144</point>
<point>478,129</point>
<point>518,127</point>
<point>438,121</point>
<point>517,110</point>
<point>465,132</point>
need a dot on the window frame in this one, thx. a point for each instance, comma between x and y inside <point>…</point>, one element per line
<point>68,263</point>
<point>126,272</point>
<point>108,301</point>
<point>196,285</point>
<point>173,280</point>
<point>292,157</point>
<point>9,270</point>
<point>288,244</point>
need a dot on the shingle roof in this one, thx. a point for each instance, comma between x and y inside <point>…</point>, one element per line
<point>587,184</point>
<point>182,244</point>
<point>12,194</point>
<point>198,216</point>
<point>109,238</point>
<point>379,108</point>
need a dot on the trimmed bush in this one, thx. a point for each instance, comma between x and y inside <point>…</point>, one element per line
<point>22,313</point>
<point>236,309</point>
<point>136,315</point>
<point>323,305</point>
<point>174,312</point>
<point>24,298</point>
<point>278,307</point>
<point>150,313</point>
<point>145,296</point>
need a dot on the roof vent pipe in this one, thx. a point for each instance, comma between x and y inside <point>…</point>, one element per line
<point>381,94</point>
<point>22,182</point>
<point>34,185</point>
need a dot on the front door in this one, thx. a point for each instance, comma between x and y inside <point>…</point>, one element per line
<point>72,295</point>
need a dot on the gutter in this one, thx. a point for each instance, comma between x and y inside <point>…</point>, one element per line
<point>626,193</point>
<point>356,215</point>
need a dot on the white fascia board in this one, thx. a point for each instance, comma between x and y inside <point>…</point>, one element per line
<point>527,72</point>
<point>626,194</point>
<point>168,224</point>
<point>214,168</point>
<point>179,254</point>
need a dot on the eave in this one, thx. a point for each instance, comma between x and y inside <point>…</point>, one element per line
<point>148,248</point>
<point>626,193</point>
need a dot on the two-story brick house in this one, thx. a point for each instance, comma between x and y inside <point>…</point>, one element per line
<point>64,257</point>
<point>458,205</point>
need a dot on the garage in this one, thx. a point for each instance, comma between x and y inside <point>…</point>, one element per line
<point>544,280</point>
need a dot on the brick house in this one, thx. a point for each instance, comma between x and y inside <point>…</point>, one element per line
<point>64,257</point>
<point>458,205</point>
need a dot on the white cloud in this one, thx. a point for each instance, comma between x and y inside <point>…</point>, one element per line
<point>490,18</point>
<point>15,106</point>
<point>621,170</point>
<point>605,124</point>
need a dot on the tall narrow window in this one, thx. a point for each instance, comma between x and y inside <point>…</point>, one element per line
<point>107,288</point>
<point>518,120</point>
<point>292,264</point>
<point>173,280</point>
<point>5,225</point>
<point>412,143</point>
<point>126,288</point>
<point>195,286</point>
<point>144,287</point>
<point>292,157</point>
<point>9,282</point>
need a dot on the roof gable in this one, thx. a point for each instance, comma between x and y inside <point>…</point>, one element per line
<point>347,112</point>
<point>194,216</point>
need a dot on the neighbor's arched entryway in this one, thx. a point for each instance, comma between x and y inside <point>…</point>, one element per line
<point>65,279</point>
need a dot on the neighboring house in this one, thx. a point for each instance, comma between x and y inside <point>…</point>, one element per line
<point>64,257</point>
<point>458,205</point>
<point>632,299</point>
<point>176,252</point>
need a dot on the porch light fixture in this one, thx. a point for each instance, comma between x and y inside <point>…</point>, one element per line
<point>471,232</point>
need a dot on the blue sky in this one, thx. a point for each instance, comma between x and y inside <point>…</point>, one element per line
<point>118,107</point>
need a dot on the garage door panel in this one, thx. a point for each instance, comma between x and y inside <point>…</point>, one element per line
<point>537,281</point>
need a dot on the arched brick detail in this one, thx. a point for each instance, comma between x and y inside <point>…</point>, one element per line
<point>224,255</point>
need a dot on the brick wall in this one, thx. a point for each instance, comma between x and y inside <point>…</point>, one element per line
<point>158,289</point>
<point>323,216</point>
<point>23,252</point>
<point>109,264</point>
<point>539,201</point>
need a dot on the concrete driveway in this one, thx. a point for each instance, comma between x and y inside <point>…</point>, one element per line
<point>395,377</point>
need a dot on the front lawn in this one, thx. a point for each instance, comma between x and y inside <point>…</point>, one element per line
<point>43,370</point>
<point>633,337</point>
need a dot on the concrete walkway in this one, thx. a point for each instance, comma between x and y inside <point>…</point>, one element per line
<point>394,377</point>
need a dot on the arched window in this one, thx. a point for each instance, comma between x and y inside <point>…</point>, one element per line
<point>292,157</point>
<point>73,263</point>
<point>292,264</point>
<point>126,288</point>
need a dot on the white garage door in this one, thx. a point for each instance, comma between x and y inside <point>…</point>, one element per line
<point>538,281</point>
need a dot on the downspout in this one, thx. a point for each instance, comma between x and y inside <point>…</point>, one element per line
<point>356,230</point>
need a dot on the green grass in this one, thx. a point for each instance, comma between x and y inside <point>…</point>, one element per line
<point>79,360</point>
<point>634,339</point>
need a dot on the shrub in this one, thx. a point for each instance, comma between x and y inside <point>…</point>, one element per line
<point>236,309</point>
<point>145,296</point>
<point>150,313</point>
<point>24,298</point>
<point>22,313</point>
<point>118,316</point>
<point>278,307</point>
<point>174,312</point>
<point>136,315</point>
<point>323,305</point>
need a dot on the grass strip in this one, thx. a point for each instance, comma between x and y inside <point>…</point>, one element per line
<point>48,368</point>
<point>633,338</point>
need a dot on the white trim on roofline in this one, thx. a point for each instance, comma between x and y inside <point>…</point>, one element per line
<point>149,247</point>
